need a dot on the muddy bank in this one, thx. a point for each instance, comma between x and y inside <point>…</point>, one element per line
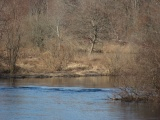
<point>55,74</point>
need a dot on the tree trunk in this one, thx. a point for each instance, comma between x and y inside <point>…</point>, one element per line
<point>58,35</point>
<point>93,41</point>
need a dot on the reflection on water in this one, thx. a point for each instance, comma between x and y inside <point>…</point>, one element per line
<point>68,99</point>
<point>89,82</point>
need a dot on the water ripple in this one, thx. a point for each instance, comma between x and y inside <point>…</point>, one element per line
<point>59,89</point>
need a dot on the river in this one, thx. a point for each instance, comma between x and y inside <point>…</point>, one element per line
<point>68,99</point>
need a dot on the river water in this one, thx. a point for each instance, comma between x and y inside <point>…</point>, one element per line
<point>68,99</point>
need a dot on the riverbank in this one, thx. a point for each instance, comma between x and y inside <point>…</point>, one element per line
<point>85,73</point>
<point>113,60</point>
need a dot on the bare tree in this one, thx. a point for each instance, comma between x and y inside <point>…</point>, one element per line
<point>38,8</point>
<point>90,21</point>
<point>57,12</point>
<point>38,13</point>
<point>13,34</point>
<point>146,29</point>
<point>3,19</point>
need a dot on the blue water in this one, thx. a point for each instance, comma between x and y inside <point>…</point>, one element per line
<point>47,103</point>
<point>69,103</point>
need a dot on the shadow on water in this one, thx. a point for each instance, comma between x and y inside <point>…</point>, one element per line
<point>68,99</point>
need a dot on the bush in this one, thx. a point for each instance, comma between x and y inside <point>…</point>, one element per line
<point>120,59</point>
<point>57,57</point>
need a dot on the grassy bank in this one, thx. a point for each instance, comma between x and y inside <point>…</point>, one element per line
<point>114,59</point>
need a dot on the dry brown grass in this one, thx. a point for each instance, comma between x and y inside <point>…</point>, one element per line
<point>43,62</point>
<point>115,60</point>
<point>118,60</point>
<point>127,48</point>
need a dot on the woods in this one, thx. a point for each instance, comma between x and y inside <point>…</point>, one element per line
<point>114,37</point>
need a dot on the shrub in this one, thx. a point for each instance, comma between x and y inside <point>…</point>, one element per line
<point>57,57</point>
